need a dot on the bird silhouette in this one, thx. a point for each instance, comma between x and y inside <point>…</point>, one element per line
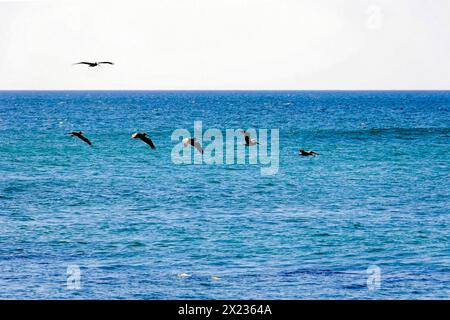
<point>94,64</point>
<point>248,141</point>
<point>79,134</point>
<point>193,142</point>
<point>304,153</point>
<point>144,137</point>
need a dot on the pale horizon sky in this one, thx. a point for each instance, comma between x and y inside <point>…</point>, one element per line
<point>226,44</point>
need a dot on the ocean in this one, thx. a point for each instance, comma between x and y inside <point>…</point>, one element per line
<point>369,218</point>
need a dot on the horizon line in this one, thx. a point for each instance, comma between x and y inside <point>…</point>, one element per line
<point>224,90</point>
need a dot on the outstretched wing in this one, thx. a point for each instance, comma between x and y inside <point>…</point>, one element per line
<point>106,62</point>
<point>197,146</point>
<point>84,62</point>
<point>148,141</point>
<point>85,139</point>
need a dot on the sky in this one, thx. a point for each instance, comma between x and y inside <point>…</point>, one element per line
<point>225,44</point>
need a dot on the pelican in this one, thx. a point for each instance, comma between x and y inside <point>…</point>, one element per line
<point>304,153</point>
<point>144,137</point>
<point>79,134</point>
<point>193,142</point>
<point>94,64</point>
<point>248,141</point>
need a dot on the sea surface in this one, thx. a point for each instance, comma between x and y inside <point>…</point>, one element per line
<point>376,198</point>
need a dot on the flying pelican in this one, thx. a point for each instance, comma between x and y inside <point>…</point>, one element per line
<point>193,142</point>
<point>79,134</point>
<point>144,137</point>
<point>304,153</point>
<point>248,141</point>
<point>94,64</point>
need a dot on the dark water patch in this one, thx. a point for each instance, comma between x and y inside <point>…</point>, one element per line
<point>356,286</point>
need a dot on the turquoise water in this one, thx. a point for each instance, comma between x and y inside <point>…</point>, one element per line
<point>132,220</point>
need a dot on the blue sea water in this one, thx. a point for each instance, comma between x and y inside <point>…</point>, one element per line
<point>132,220</point>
